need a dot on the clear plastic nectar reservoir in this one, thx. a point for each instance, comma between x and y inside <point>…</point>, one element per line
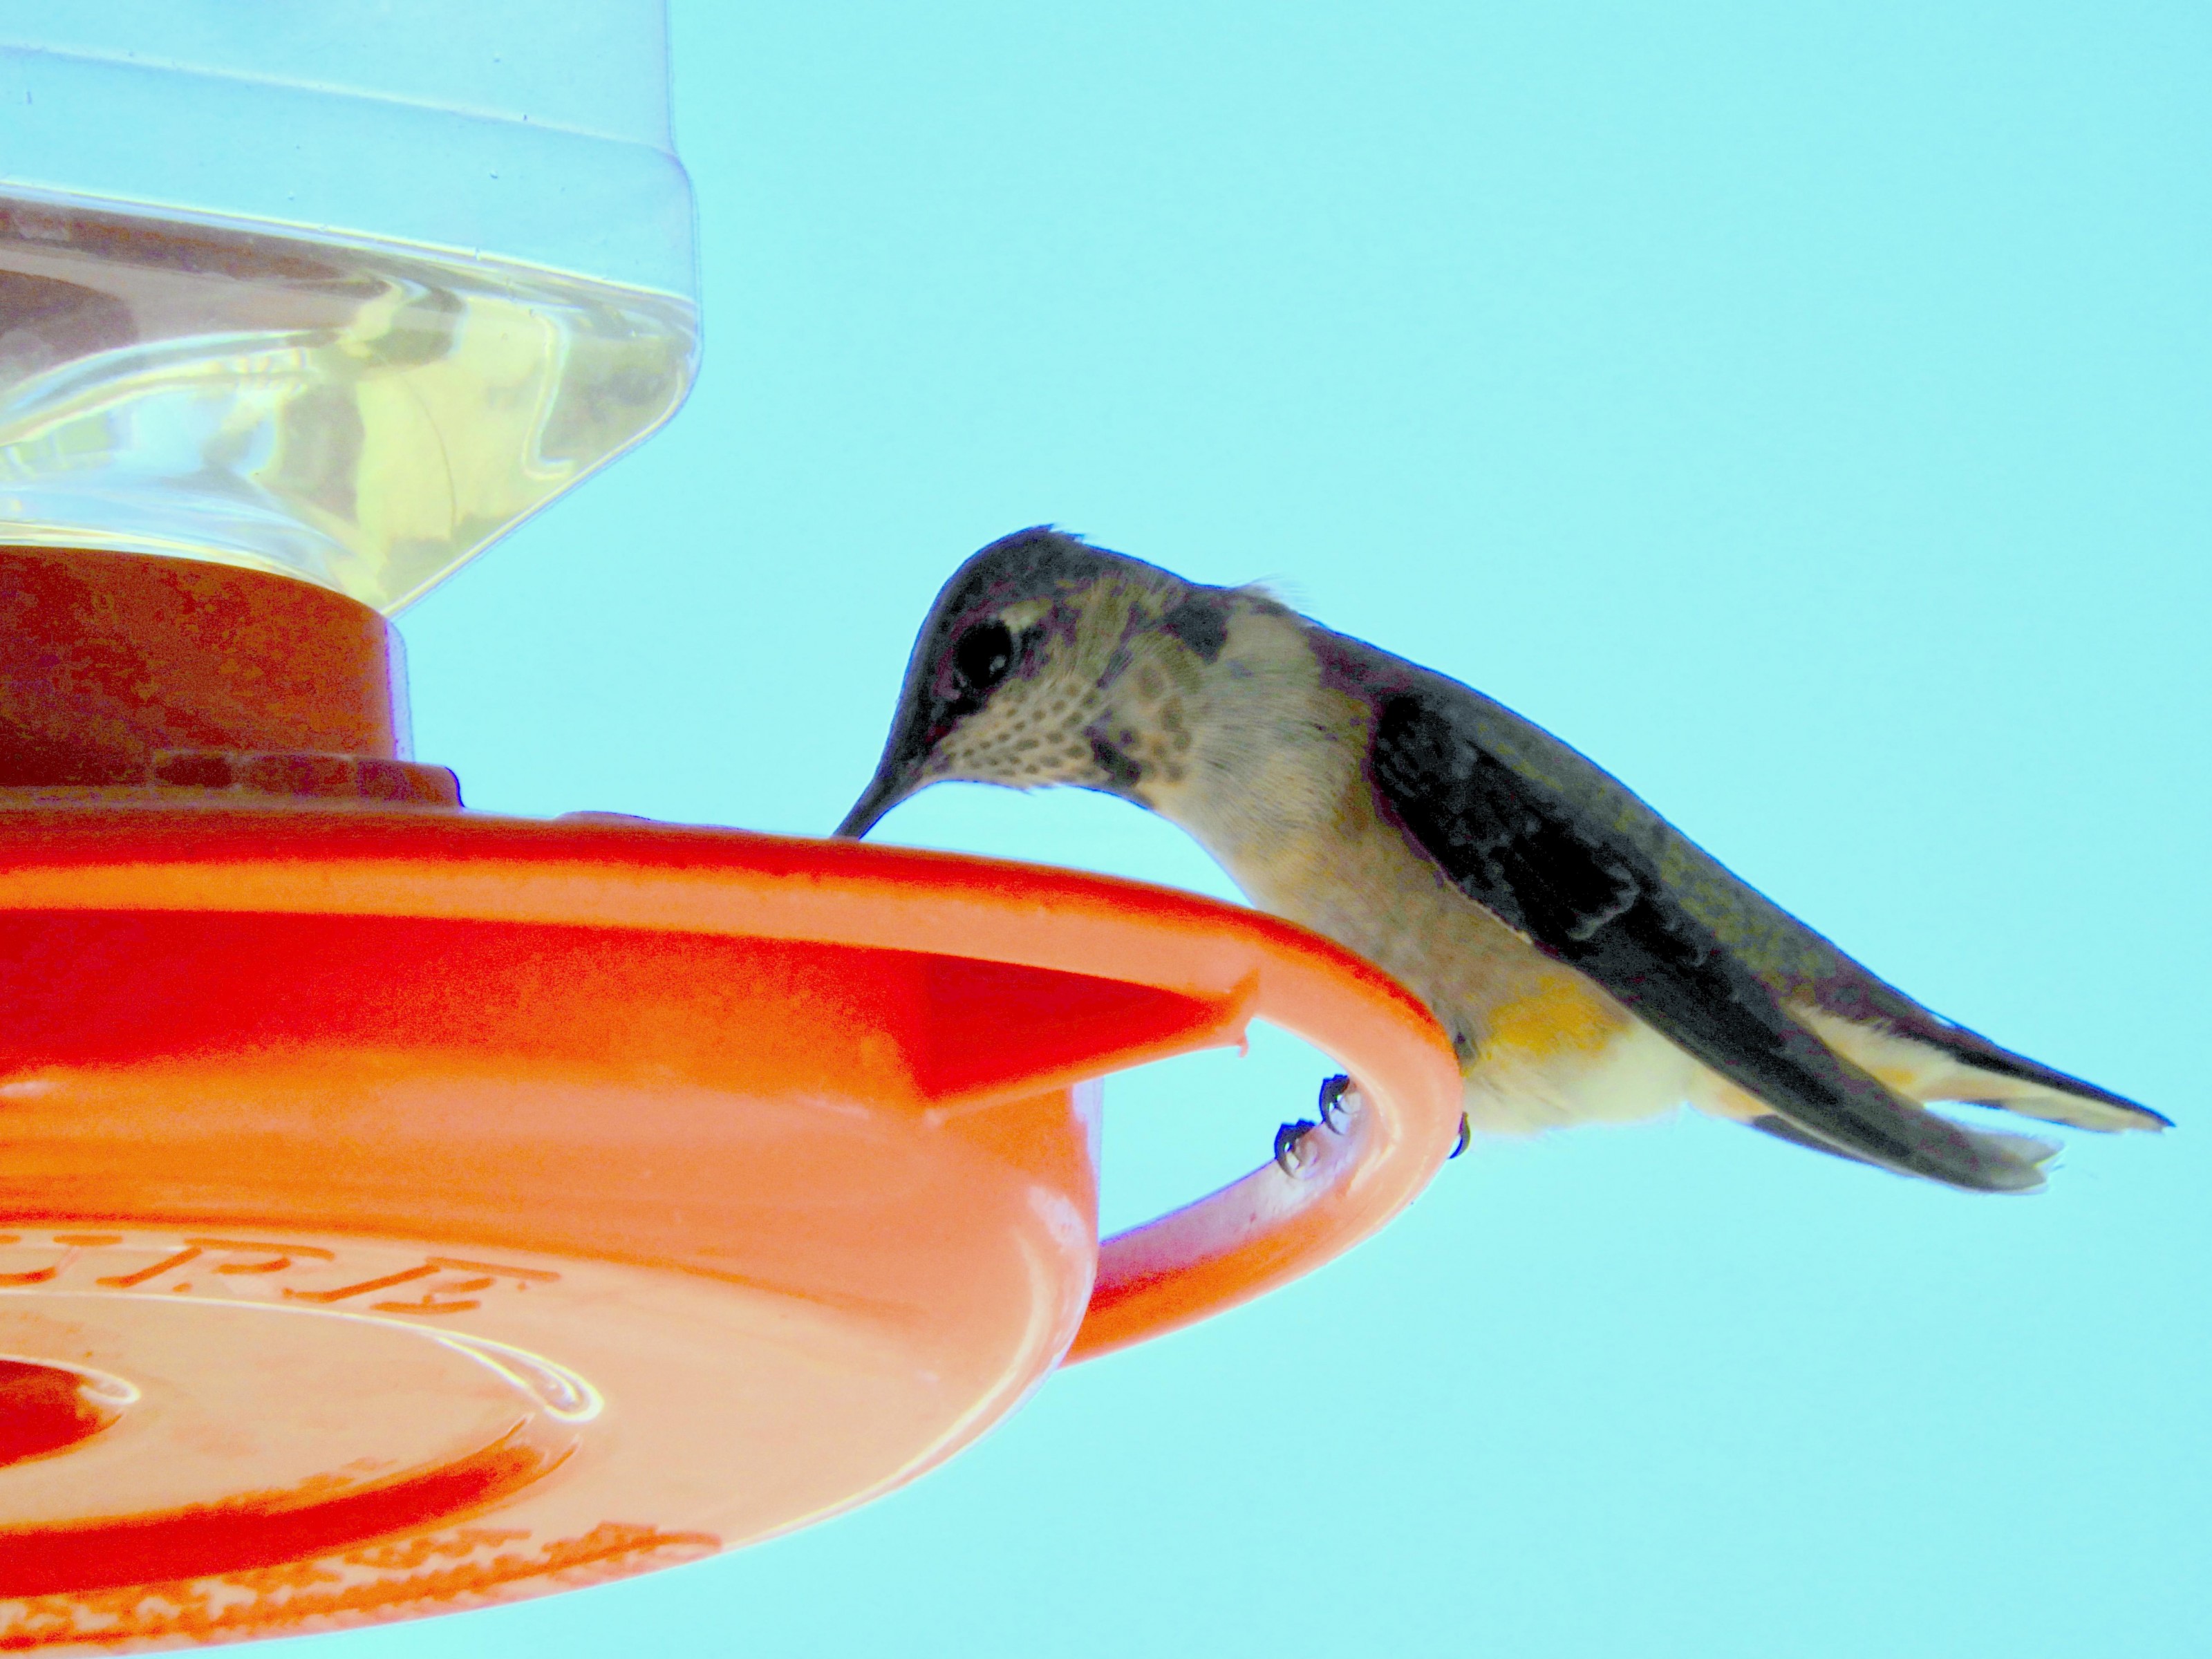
<point>363,417</point>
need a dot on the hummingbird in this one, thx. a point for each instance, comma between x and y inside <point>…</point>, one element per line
<point>1589,962</point>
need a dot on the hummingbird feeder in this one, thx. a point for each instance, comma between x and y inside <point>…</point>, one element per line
<point>404,1208</point>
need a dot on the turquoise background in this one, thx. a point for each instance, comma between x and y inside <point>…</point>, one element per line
<point>1804,411</point>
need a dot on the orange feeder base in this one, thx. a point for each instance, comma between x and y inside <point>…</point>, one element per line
<point>407,1209</point>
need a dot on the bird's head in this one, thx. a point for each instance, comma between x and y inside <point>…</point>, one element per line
<point>1018,674</point>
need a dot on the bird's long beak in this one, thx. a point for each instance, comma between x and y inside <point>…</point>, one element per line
<point>906,753</point>
<point>898,774</point>
<point>886,790</point>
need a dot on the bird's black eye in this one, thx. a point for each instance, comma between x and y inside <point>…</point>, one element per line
<point>982,655</point>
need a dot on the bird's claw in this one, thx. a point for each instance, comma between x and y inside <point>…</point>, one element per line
<point>1333,1112</point>
<point>1336,1115</point>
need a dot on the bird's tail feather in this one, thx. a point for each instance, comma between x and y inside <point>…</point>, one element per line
<point>1935,1061</point>
<point>1916,1066</point>
<point>1974,1087</point>
<point>2015,1162</point>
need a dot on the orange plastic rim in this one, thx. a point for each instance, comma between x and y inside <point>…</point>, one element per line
<point>957,1008</point>
<point>1250,1237</point>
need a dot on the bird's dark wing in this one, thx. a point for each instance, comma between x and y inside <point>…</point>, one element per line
<point>1573,871</point>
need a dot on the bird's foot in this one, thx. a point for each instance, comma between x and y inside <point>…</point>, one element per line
<point>1336,1115</point>
<point>1333,1112</point>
